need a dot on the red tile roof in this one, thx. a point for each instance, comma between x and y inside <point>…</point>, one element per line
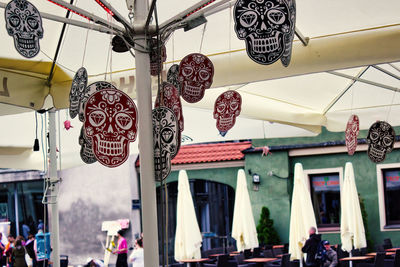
<point>212,152</point>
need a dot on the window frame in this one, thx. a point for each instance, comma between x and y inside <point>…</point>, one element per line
<point>312,172</point>
<point>381,196</point>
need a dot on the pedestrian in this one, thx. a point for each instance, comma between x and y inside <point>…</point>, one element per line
<point>30,250</point>
<point>136,257</point>
<point>311,246</point>
<point>330,255</point>
<point>121,251</point>
<point>8,250</point>
<point>18,254</point>
<point>2,248</point>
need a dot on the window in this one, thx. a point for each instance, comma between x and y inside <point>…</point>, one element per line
<point>324,185</point>
<point>389,195</point>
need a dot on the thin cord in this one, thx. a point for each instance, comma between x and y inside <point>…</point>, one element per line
<point>390,107</point>
<point>36,124</point>
<point>84,50</point>
<point>202,37</point>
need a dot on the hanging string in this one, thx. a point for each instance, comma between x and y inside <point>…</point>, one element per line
<point>202,37</point>
<point>59,140</point>
<point>173,47</point>
<point>390,107</point>
<point>85,47</point>
<point>230,36</point>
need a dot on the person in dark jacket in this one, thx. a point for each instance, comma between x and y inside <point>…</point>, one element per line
<point>330,255</point>
<point>311,247</point>
<point>18,254</point>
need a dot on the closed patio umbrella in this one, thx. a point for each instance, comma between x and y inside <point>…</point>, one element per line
<point>302,216</point>
<point>243,226</point>
<point>352,230</point>
<point>187,236</point>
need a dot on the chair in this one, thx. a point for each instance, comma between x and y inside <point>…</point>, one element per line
<point>356,252</point>
<point>256,252</point>
<point>277,251</point>
<point>379,261</point>
<point>222,261</point>
<point>247,253</point>
<point>268,253</point>
<point>283,262</point>
<point>379,248</point>
<point>239,260</point>
<point>387,243</point>
<point>342,254</point>
<point>395,262</point>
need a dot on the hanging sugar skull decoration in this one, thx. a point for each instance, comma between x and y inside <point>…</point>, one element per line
<point>169,97</point>
<point>267,26</point>
<point>86,152</point>
<point>158,55</point>
<point>78,87</point>
<point>111,124</point>
<point>196,73</point>
<point>165,134</point>
<point>380,138</point>
<point>352,130</point>
<point>24,24</point>
<point>173,77</point>
<point>91,89</point>
<point>226,108</point>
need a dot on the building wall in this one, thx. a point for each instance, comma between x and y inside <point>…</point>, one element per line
<point>89,195</point>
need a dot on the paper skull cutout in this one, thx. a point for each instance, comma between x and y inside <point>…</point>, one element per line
<point>24,24</point>
<point>196,73</point>
<point>165,134</point>
<point>78,87</point>
<point>380,138</point>
<point>267,26</point>
<point>86,152</point>
<point>173,77</point>
<point>169,97</point>
<point>110,123</point>
<point>157,60</point>
<point>91,89</point>
<point>352,130</point>
<point>226,108</point>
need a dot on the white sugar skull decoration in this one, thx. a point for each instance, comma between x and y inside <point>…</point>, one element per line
<point>352,130</point>
<point>91,89</point>
<point>226,108</point>
<point>158,55</point>
<point>380,138</point>
<point>111,124</point>
<point>267,26</point>
<point>24,24</point>
<point>78,87</point>
<point>173,77</point>
<point>86,152</point>
<point>165,134</point>
<point>196,73</point>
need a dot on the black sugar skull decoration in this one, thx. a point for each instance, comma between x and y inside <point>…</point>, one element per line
<point>381,138</point>
<point>78,87</point>
<point>267,26</point>
<point>86,152</point>
<point>166,140</point>
<point>24,24</point>
<point>173,77</point>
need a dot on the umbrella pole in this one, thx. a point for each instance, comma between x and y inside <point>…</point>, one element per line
<point>54,188</point>
<point>148,186</point>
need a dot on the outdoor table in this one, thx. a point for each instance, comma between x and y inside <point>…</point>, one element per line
<point>387,253</point>
<point>278,246</point>
<point>260,261</point>
<point>357,258</point>
<point>235,252</point>
<point>392,249</point>
<point>189,261</point>
<point>215,255</point>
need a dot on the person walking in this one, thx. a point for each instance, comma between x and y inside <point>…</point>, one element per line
<point>8,250</point>
<point>136,257</point>
<point>311,247</point>
<point>30,249</point>
<point>2,248</point>
<point>18,254</point>
<point>121,251</point>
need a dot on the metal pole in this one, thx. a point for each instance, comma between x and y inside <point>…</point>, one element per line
<point>148,186</point>
<point>16,209</point>
<point>54,187</point>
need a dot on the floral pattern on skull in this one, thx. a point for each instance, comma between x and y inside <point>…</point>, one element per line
<point>78,87</point>
<point>158,55</point>
<point>165,136</point>
<point>110,123</point>
<point>351,134</point>
<point>226,108</point>
<point>173,77</point>
<point>24,24</point>
<point>380,138</point>
<point>86,152</point>
<point>196,73</point>
<point>267,26</point>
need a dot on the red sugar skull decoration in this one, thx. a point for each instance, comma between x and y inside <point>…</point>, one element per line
<point>226,108</point>
<point>169,96</point>
<point>110,123</point>
<point>352,130</point>
<point>156,59</point>
<point>196,73</point>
